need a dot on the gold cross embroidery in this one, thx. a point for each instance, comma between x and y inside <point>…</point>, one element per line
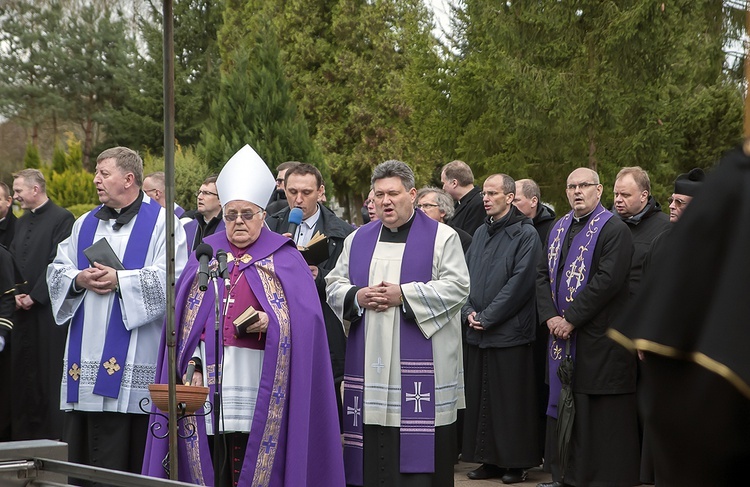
<point>111,365</point>
<point>75,372</point>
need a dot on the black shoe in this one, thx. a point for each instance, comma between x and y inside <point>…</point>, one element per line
<point>513,476</point>
<point>551,484</point>
<point>486,471</point>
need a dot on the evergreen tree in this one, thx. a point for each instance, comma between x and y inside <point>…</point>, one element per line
<point>31,159</point>
<point>58,159</point>
<point>255,107</point>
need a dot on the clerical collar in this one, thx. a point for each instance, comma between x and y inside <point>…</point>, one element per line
<point>40,208</point>
<point>122,217</point>
<point>397,235</point>
<point>579,219</point>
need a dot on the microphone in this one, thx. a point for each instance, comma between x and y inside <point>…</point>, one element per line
<point>295,218</point>
<point>203,252</point>
<point>189,373</point>
<point>221,256</point>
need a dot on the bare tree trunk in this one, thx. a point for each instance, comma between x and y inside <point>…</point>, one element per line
<point>746,123</point>
<point>87,143</point>
<point>592,148</point>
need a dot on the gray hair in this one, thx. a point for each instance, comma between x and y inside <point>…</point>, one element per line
<point>444,200</point>
<point>32,177</point>
<point>391,169</point>
<point>127,160</point>
<point>529,189</point>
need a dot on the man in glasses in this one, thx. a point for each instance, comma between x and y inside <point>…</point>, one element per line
<point>278,415</point>
<point>582,287</point>
<point>208,219</point>
<point>154,185</point>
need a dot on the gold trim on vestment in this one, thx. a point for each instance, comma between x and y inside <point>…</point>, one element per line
<point>696,357</point>
<point>244,258</point>
<point>270,439</point>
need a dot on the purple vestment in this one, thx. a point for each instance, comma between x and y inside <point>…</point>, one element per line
<point>294,439</point>
<point>578,265</point>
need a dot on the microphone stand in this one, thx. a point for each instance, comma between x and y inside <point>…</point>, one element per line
<point>217,375</point>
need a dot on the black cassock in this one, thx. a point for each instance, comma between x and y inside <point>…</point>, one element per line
<point>37,343</point>
<point>7,306</point>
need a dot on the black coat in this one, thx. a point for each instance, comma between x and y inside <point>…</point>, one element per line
<point>645,227</point>
<point>543,221</point>
<point>469,214</point>
<point>601,365</point>
<point>8,229</point>
<point>336,230</point>
<point>502,263</point>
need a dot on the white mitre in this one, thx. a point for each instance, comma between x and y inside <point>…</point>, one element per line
<point>245,177</point>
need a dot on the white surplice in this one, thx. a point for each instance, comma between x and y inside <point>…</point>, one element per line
<point>143,304</point>
<point>437,308</point>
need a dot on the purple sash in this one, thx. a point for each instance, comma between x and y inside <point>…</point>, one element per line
<point>578,263</point>
<point>117,341</point>
<point>417,448</point>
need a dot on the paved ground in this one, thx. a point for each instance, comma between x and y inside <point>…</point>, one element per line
<point>535,476</point>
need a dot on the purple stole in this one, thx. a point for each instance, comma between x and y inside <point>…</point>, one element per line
<point>417,369</point>
<point>117,340</point>
<point>578,263</point>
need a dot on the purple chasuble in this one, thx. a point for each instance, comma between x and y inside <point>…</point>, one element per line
<point>117,340</point>
<point>577,270</point>
<point>294,437</point>
<point>417,450</point>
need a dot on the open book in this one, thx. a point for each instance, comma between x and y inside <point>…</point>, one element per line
<point>316,250</point>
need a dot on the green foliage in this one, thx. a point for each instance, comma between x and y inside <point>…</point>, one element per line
<point>255,107</point>
<point>31,159</point>
<point>74,186</point>
<point>80,209</point>
<point>74,155</point>
<point>189,173</point>
<point>58,158</point>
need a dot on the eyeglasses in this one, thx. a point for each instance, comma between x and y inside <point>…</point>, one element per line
<point>573,187</point>
<point>369,202</point>
<point>491,194</point>
<point>423,206</point>
<point>677,202</point>
<point>205,193</point>
<point>245,215</point>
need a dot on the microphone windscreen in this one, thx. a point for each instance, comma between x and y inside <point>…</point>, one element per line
<point>295,216</point>
<point>204,249</point>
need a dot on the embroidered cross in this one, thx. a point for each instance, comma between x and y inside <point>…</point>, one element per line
<point>111,365</point>
<point>555,351</point>
<point>417,397</point>
<point>285,345</point>
<point>379,365</point>
<point>269,444</point>
<point>277,300</point>
<point>279,395</point>
<point>193,301</point>
<point>354,411</point>
<point>75,372</point>
<point>576,272</point>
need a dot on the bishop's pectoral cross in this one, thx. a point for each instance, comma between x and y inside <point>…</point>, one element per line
<point>229,300</point>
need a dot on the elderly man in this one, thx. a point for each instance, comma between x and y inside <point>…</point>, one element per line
<point>37,344</point>
<point>438,205</point>
<point>154,185</point>
<point>368,208</point>
<point>108,281</point>
<point>637,207</point>
<point>582,287</point>
<point>278,411</point>
<point>208,219</point>
<point>458,181</point>
<point>501,428</point>
<point>401,283</point>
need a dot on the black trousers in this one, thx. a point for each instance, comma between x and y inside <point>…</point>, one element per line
<point>115,441</point>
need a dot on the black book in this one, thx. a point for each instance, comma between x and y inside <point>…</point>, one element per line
<point>101,252</point>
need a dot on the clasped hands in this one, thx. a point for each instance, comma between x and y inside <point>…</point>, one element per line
<point>560,327</point>
<point>380,297</point>
<point>100,279</point>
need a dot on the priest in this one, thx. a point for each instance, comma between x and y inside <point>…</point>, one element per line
<point>401,281</point>
<point>115,302</point>
<point>278,418</point>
